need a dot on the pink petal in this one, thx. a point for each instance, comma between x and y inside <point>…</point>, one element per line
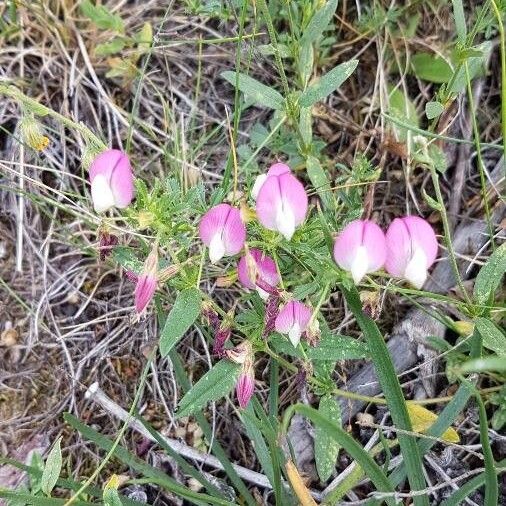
<point>144,291</point>
<point>293,312</point>
<point>225,220</point>
<point>115,167</point>
<point>286,191</point>
<point>277,169</point>
<point>399,248</point>
<point>234,232</point>
<point>347,243</point>
<point>244,389</point>
<point>266,269</point>
<point>375,244</point>
<point>423,236</point>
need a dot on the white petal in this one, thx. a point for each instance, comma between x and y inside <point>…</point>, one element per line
<point>101,194</point>
<point>416,270</point>
<point>259,181</point>
<point>359,265</point>
<point>216,248</point>
<point>262,293</point>
<point>294,334</point>
<point>285,220</point>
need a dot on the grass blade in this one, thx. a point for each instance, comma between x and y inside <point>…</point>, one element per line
<point>393,393</point>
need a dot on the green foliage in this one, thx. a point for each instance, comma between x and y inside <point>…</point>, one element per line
<point>102,17</point>
<point>181,317</point>
<point>326,448</point>
<point>490,276</point>
<point>433,109</point>
<point>52,468</point>
<point>216,383</point>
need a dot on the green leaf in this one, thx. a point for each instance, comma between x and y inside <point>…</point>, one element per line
<point>52,468</point>
<point>127,259</point>
<point>181,317</point>
<point>320,181</point>
<point>320,20</point>
<point>497,364</point>
<point>402,107</point>
<point>111,496</point>
<point>144,38</point>
<point>261,93</point>
<point>216,383</point>
<point>431,68</point>
<point>433,109</point>
<point>460,20</point>
<point>490,276</point>
<point>334,347</point>
<point>476,66</point>
<point>493,338</point>
<point>108,48</point>
<point>305,62</point>
<point>326,447</point>
<point>101,17</point>
<point>327,83</point>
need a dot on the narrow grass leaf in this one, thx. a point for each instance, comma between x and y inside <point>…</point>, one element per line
<point>493,338</point>
<point>488,364</point>
<point>216,383</point>
<point>327,83</point>
<point>320,20</point>
<point>261,93</point>
<point>52,468</point>
<point>490,276</point>
<point>326,448</point>
<point>183,314</point>
<point>298,485</point>
<point>21,498</point>
<point>393,393</point>
<point>363,459</point>
<point>460,20</point>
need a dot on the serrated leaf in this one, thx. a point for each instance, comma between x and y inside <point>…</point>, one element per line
<point>101,17</point>
<point>432,68</point>
<point>181,317</point>
<point>216,383</point>
<point>327,83</point>
<point>433,109</point>
<point>261,93</point>
<point>421,419</point>
<point>490,276</point>
<point>493,338</point>
<point>52,468</point>
<point>326,448</point>
<point>320,20</point>
<point>109,48</point>
<point>319,180</point>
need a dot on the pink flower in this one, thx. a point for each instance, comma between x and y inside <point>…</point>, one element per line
<point>255,266</point>
<point>275,170</point>
<point>281,201</point>
<point>112,180</point>
<point>222,230</point>
<point>147,282</point>
<point>411,249</point>
<point>360,248</point>
<point>245,387</point>
<point>293,320</point>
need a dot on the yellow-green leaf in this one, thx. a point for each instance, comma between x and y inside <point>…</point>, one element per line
<point>421,419</point>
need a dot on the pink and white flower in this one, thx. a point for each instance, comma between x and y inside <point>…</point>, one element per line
<point>360,249</point>
<point>411,249</point>
<point>256,268</point>
<point>275,170</point>
<point>112,180</point>
<point>222,230</point>
<point>281,202</point>
<point>293,320</point>
<point>245,386</point>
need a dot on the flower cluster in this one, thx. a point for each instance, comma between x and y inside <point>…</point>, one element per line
<point>407,250</point>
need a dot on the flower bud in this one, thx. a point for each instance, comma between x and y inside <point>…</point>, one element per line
<point>411,249</point>
<point>245,387</point>
<point>271,313</point>
<point>222,230</point>
<point>211,315</point>
<point>147,282</point>
<point>360,248</point>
